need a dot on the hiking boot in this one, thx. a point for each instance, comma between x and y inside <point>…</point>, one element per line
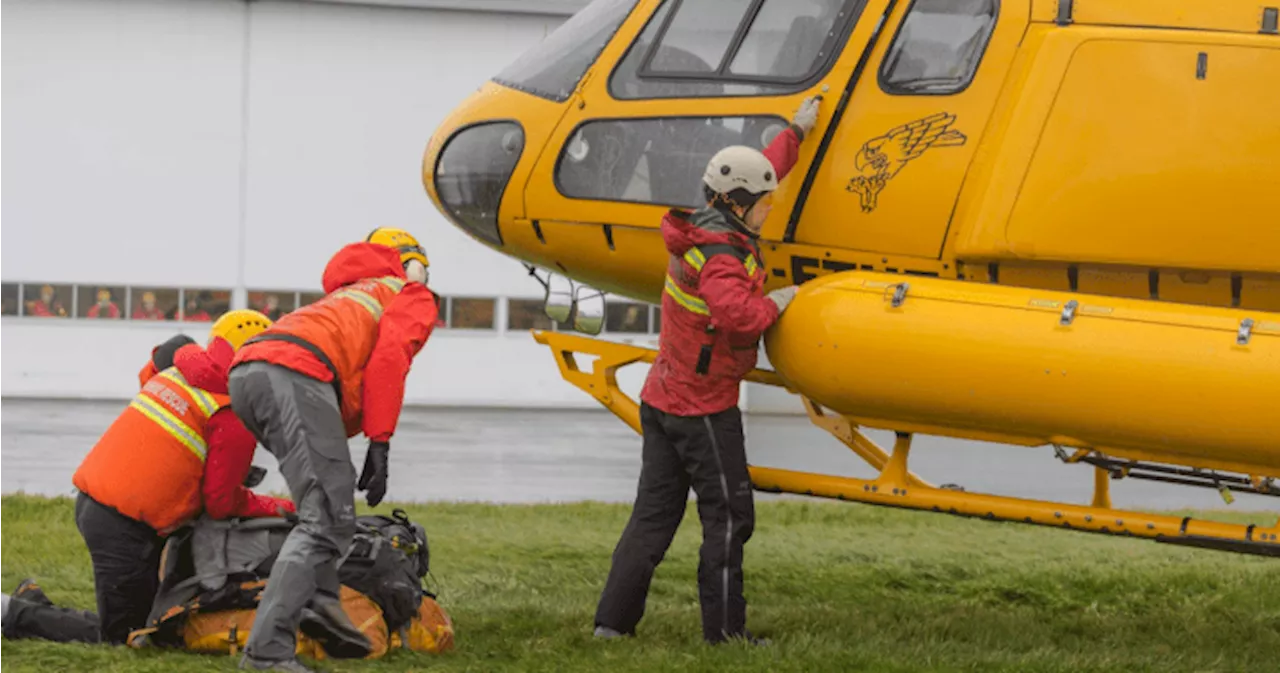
<point>288,665</point>
<point>606,633</point>
<point>28,590</point>
<point>327,624</point>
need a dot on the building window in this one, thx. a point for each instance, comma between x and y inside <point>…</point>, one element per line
<point>100,302</point>
<point>153,303</point>
<point>938,47</point>
<point>204,305</point>
<point>308,298</point>
<point>471,313</point>
<point>527,314</point>
<point>9,297</point>
<point>626,318</point>
<point>658,161</point>
<point>46,300</point>
<point>734,48</point>
<point>655,326</point>
<point>271,303</point>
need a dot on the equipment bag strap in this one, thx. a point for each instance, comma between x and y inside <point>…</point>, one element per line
<point>310,348</point>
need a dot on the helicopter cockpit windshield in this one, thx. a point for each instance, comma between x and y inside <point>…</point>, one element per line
<point>553,68</point>
<point>707,48</point>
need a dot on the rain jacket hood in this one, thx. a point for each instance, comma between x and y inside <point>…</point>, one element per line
<point>358,261</point>
<point>206,368</point>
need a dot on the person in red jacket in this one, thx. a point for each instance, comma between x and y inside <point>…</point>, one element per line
<point>48,306</point>
<point>176,451</point>
<point>714,311</point>
<point>105,308</point>
<point>147,309</point>
<point>320,375</point>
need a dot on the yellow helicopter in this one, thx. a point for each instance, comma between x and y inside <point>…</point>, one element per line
<point>1041,222</point>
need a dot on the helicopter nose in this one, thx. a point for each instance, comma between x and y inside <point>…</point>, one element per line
<point>471,174</point>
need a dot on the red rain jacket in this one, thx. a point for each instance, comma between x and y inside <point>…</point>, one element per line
<point>727,293</point>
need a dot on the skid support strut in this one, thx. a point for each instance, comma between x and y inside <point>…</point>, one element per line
<point>897,486</point>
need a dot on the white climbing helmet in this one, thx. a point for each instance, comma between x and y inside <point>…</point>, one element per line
<point>740,167</point>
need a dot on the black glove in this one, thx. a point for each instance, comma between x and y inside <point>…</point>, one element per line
<point>373,478</point>
<point>255,476</point>
<point>163,357</point>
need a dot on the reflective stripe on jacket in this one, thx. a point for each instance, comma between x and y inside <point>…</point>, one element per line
<point>149,464</point>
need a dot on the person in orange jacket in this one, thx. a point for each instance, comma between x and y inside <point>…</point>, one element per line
<point>177,450</point>
<point>320,375</point>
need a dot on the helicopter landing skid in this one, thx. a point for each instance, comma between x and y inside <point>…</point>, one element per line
<point>897,486</point>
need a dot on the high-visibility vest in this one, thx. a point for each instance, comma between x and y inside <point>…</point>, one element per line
<point>149,464</point>
<point>341,330</point>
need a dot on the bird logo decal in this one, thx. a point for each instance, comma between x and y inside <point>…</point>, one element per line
<point>883,157</point>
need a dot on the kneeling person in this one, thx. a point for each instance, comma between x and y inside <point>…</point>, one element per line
<point>177,450</point>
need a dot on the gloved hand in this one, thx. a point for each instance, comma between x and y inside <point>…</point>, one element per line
<point>782,297</point>
<point>285,509</point>
<point>807,115</point>
<point>373,478</point>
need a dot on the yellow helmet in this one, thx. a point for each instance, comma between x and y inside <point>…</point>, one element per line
<point>239,326</point>
<point>400,240</point>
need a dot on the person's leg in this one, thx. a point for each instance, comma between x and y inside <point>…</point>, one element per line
<point>298,420</point>
<point>660,503</point>
<point>718,465</point>
<point>32,619</point>
<point>126,565</point>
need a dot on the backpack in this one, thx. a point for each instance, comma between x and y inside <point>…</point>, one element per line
<point>387,561</point>
<point>213,574</point>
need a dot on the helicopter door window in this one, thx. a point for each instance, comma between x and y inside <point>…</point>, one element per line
<point>553,68</point>
<point>938,47</point>
<point>787,39</point>
<point>733,48</point>
<point>703,29</point>
<point>657,161</point>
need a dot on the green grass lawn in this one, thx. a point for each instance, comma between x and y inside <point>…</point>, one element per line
<point>836,586</point>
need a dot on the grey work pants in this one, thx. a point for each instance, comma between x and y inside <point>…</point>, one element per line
<point>297,418</point>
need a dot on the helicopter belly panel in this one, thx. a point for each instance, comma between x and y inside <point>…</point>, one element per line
<point>1025,366</point>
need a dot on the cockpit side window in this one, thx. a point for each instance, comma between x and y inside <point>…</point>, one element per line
<point>706,48</point>
<point>938,47</point>
<point>553,68</point>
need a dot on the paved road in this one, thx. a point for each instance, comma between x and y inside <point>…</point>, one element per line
<point>535,456</point>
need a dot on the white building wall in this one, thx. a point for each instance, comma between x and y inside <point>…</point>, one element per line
<point>231,145</point>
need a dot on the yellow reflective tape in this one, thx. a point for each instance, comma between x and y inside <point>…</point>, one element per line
<point>203,400</point>
<point>364,299</point>
<point>392,282</point>
<point>695,258</point>
<point>685,299</point>
<point>171,424</point>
